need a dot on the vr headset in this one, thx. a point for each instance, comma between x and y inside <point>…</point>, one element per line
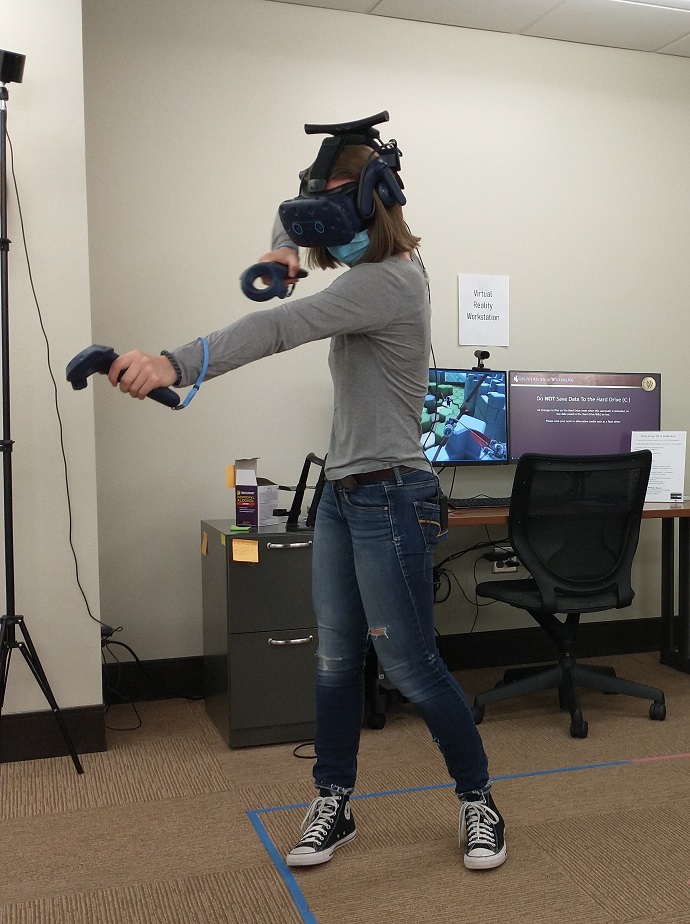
<point>318,217</point>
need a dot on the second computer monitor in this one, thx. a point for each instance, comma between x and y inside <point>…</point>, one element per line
<point>580,413</point>
<point>465,420</point>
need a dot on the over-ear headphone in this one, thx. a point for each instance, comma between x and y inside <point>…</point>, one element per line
<point>378,177</point>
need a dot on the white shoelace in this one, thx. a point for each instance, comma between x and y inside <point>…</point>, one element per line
<point>316,823</point>
<point>479,819</point>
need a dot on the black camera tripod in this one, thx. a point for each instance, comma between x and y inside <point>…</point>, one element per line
<point>13,631</point>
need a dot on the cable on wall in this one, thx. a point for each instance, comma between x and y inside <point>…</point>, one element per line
<point>55,391</point>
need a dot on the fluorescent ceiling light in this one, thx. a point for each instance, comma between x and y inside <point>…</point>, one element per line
<point>655,6</point>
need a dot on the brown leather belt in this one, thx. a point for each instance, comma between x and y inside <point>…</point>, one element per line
<point>383,474</point>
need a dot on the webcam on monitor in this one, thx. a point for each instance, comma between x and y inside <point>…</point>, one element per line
<point>481,355</point>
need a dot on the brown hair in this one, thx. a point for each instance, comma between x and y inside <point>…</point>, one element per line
<point>388,232</point>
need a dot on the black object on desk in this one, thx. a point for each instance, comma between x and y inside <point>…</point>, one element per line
<point>296,507</point>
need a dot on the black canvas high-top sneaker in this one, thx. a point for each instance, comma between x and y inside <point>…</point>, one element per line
<point>482,832</point>
<point>328,824</point>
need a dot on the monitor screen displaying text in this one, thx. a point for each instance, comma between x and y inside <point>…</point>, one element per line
<point>580,413</point>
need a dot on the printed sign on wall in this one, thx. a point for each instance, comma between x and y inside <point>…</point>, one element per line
<point>484,308</point>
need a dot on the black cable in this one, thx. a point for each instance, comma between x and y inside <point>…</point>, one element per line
<point>484,544</point>
<point>115,692</point>
<point>426,278</point>
<point>126,701</point>
<point>440,573</point>
<point>108,642</point>
<point>55,388</point>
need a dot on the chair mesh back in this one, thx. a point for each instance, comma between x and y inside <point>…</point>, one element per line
<point>575,521</point>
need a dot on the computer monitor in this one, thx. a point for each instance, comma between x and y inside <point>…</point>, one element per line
<point>580,413</point>
<point>465,419</point>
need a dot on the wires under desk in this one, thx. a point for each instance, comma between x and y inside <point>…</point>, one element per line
<point>481,500</point>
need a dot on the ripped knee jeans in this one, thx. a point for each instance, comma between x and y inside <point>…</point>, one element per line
<point>372,580</point>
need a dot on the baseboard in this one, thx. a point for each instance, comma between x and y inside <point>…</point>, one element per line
<point>138,681</point>
<point>141,681</point>
<point>34,735</point>
<point>507,647</point>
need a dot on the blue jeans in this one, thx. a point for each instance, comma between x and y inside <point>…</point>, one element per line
<point>373,579</point>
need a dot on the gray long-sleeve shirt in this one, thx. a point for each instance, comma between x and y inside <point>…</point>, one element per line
<point>378,318</point>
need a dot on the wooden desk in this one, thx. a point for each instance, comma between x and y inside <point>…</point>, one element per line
<point>675,633</point>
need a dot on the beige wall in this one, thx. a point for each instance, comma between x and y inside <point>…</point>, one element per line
<point>563,166</point>
<point>46,126</point>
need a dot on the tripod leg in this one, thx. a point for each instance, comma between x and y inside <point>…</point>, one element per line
<point>5,653</point>
<point>31,657</point>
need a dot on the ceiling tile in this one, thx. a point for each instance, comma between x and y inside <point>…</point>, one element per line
<point>678,48</point>
<point>494,16</point>
<point>642,26</point>
<point>645,25</point>
<point>349,6</point>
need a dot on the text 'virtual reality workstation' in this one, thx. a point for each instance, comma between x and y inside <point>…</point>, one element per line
<point>485,417</point>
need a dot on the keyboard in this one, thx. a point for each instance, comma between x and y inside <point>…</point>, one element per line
<point>464,503</point>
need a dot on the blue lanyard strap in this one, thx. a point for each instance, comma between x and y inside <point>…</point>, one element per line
<point>197,385</point>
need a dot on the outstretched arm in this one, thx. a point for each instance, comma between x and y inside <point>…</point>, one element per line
<point>138,373</point>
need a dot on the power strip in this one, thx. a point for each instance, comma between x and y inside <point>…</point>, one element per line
<point>506,565</point>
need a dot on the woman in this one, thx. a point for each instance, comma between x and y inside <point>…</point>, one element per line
<point>378,520</point>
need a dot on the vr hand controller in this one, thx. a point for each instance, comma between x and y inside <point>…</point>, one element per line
<point>276,273</point>
<point>97,358</point>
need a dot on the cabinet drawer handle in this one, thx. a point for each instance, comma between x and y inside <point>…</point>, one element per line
<point>288,545</point>
<point>291,641</point>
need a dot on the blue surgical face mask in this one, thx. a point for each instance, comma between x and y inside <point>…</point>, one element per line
<point>352,252</point>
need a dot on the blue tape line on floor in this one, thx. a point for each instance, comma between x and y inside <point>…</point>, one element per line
<point>290,881</point>
<point>283,869</point>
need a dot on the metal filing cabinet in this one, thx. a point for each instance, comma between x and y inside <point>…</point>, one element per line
<point>259,633</point>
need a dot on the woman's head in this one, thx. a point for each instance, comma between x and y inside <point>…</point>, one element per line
<point>388,233</point>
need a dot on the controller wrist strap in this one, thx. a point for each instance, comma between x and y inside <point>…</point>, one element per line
<point>200,378</point>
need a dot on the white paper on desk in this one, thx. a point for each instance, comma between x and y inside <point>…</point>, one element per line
<point>667,478</point>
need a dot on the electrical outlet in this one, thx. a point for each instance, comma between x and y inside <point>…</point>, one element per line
<point>507,566</point>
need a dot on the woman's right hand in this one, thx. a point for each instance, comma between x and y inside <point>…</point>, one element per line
<point>138,373</point>
<point>289,257</point>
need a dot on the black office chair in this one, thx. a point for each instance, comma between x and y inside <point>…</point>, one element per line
<point>574,523</point>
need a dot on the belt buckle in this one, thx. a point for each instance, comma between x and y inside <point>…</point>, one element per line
<point>349,482</point>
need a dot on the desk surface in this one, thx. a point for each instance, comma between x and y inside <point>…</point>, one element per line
<point>488,516</point>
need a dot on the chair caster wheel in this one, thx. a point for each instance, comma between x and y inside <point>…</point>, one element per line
<point>376,721</point>
<point>477,714</point>
<point>578,728</point>
<point>657,711</point>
